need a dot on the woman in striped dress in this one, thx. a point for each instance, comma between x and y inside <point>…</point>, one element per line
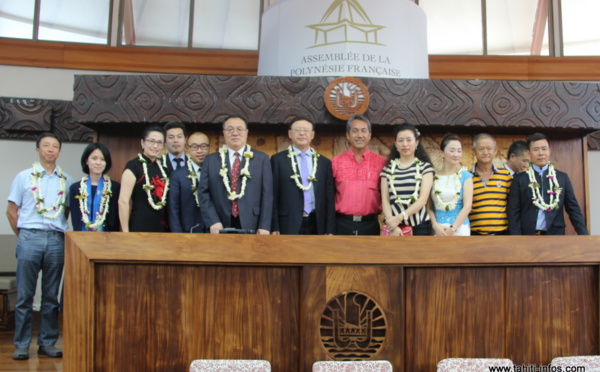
<point>406,183</point>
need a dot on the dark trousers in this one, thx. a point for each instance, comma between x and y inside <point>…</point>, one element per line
<point>309,225</point>
<point>422,229</point>
<point>346,227</point>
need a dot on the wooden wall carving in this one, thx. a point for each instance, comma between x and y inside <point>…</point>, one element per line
<point>593,141</point>
<point>24,118</point>
<point>272,100</point>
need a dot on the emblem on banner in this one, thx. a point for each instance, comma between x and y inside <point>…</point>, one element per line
<point>353,327</point>
<point>345,21</point>
<point>345,97</point>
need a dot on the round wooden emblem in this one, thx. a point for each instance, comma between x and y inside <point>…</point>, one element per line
<point>345,97</point>
<point>352,327</point>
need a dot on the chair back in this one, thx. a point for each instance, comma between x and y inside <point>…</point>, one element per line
<point>591,363</point>
<point>229,365</point>
<point>362,366</point>
<point>471,364</point>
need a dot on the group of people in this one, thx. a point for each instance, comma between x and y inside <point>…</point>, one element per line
<point>296,191</point>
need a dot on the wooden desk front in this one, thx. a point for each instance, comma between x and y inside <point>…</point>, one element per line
<point>155,302</point>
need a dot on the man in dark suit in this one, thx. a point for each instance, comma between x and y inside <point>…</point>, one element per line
<point>183,203</point>
<point>236,185</point>
<point>175,143</point>
<point>302,204</point>
<point>532,209</point>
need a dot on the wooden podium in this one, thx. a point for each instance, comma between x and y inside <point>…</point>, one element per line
<point>155,302</point>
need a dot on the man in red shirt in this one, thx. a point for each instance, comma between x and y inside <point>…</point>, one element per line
<point>356,174</point>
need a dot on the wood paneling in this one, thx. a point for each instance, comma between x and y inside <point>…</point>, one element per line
<point>133,59</point>
<point>182,313</point>
<point>156,301</point>
<point>195,61</point>
<point>501,105</point>
<point>550,312</point>
<point>380,283</point>
<point>22,118</point>
<point>453,313</point>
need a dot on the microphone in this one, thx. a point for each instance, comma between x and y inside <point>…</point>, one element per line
<point>233,230</point>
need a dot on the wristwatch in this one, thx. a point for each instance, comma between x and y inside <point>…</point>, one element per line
<point>405,216</point>
<point>453,228</point>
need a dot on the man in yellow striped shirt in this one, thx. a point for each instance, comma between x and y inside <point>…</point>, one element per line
<point>491,186</point>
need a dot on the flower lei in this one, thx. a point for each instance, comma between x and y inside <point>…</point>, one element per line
<point>391,175</point>
<point>296,177</point>
<point>148,187</point>
<point>193,176</point>
<point>449,206</point>
<point>104,200</point>
<point>554,189</point>
<point>248,154</point>
<point>36,190</point>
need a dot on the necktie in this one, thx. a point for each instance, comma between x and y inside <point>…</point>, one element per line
<point>235,174</point>
<point>178,161</point>
<point>304,174</point>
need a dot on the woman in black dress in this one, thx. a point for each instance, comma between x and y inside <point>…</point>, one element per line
<point>144,187</point>
<point>93,200</point>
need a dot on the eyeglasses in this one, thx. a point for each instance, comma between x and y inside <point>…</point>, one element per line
<point>302,130</point>
<point>195,147</point>
<point>152,142</point>
<point>230,130</point>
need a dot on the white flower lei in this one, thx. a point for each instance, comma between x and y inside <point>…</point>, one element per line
<point>554,189</point>
<point>296,177</point>
<point>450,206</point>
<point>36,190</point>
<point>391,175</point>
<point>104,200</point>
<point>193,176</point>
<point>248,154</point>
<point>148,187</point>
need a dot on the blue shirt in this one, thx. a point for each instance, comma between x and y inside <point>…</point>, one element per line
<point>541,217</point>
<point>21,195</point>
<point>309,163</point>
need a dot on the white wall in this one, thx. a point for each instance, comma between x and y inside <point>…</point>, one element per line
<point>594,181</point>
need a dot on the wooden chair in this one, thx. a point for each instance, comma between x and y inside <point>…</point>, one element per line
<point>471,364</point>
<point>591,363</point>
<point>8,297</point>
<point>362,366</point>
<point>229,365</point>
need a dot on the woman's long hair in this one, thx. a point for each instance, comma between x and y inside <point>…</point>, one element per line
<point>420,152</point>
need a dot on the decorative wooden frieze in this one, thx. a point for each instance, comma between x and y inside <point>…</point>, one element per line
<point>593,141</point>
<point>26,118</point>
<point>272,100</point>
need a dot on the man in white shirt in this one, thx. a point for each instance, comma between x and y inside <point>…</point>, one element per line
<point>37,212</point>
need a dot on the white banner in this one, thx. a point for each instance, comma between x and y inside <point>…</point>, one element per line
<point>371,38</point>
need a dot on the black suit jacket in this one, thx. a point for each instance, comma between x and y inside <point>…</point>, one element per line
<point>169,164</point>
<point>112,218</point>
<point>522,214</point>
<point>255,207</point>
<point>182,210</point>
<point>288,199</point>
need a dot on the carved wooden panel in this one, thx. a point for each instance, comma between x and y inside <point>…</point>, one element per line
<point>272,100</point>
<point>25,118</point>
<point>593,141</point>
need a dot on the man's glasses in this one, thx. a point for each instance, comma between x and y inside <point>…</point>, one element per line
<point>302,130</point>
<point>230,130</point>
<point>195,147</point>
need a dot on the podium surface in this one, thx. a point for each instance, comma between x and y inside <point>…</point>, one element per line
<point>155,302</point>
